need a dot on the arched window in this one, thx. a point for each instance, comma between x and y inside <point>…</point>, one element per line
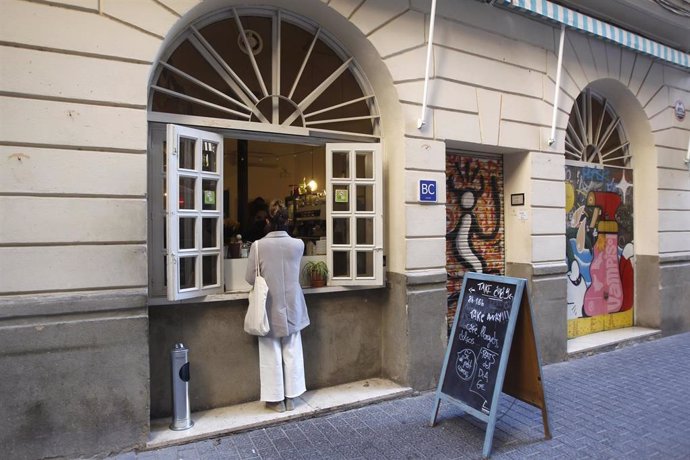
<point>595,133</point>
<point>267,67</point>
<point>285,79</point>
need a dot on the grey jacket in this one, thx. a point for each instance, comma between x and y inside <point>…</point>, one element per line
<point>279,261</point>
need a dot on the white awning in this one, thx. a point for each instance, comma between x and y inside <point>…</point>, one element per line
<point>587,24</point>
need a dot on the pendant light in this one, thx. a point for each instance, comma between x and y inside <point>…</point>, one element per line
<point>312,183</point>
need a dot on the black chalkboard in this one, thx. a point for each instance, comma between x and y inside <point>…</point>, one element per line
<point>477,343</point>
<point>480,362</point>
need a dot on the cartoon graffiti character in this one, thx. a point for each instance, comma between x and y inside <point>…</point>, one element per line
<point>627,276</point>
<point>577,287</point>
<point>605,294</point>
<point>467,229</point>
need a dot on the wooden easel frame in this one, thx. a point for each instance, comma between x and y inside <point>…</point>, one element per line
<point>521,364</point>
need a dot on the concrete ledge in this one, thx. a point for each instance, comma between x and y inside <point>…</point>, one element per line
<point>217,422</point>
<point>426,277</point>
<point>600,342</point>
<point>674,259</point>
<point>545,269</point>
<point>52,304</point>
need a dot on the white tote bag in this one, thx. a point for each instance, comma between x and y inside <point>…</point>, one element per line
<point>256,320</point>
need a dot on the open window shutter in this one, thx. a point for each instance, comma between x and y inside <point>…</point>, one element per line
<point>354,184</point>
<point>194,204</point>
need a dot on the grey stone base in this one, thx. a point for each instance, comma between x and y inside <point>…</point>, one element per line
<point>547,290</point>
<point>342,344</point>
<point>415,331</point>
<point>74,376</point>
<point>674,289</point>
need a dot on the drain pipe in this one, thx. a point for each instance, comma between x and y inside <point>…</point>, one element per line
<point>432,19</point>
<point>687,156</point>
<point>557,90</point>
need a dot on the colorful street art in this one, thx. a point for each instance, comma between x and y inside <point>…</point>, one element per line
<point>474,221</point>
<point>599,248</point>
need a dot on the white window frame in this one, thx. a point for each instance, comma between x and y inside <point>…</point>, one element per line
<point>165,210</point>
<point>174,213</point>
<point>376,182</point>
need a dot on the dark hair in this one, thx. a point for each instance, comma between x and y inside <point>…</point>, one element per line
<point>278,215</point>
<point>257,205</point>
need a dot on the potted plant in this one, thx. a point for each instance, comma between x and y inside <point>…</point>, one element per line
<point>316,273</point>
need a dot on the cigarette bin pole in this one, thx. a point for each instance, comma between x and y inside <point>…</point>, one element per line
<point>179,367</point>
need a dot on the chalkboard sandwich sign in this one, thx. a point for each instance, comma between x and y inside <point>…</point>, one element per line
<point>492,348</point>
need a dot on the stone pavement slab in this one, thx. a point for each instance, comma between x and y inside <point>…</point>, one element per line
<point>629,403</point>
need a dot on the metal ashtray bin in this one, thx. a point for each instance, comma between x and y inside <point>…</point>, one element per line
<point>179,369</point>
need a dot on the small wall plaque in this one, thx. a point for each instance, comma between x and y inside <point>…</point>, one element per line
<point>517,199</point>
<point>427,191</point>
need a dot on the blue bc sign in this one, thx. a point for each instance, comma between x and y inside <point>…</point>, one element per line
<point>427,191</point>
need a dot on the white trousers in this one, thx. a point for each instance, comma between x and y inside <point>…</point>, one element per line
<point>281,367</point>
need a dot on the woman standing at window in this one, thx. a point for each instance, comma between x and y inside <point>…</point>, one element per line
<point>281,363</point>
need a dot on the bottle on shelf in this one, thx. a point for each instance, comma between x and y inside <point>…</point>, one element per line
<point>236,247</point>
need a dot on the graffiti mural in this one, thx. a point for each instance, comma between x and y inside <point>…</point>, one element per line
<point>474,221</point>
<point>599,248</point>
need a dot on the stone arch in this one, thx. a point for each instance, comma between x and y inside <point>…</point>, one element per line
<point>347,35</point>
<point>637,131</point>
<point>357,44</point>
<point>644,161</point>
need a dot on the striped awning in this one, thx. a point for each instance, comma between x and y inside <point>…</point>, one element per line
<point>587,24</point>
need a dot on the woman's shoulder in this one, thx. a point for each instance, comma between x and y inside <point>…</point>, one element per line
<point>280,238</point>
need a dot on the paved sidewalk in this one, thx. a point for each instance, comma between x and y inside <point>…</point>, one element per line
<point>629,403</point>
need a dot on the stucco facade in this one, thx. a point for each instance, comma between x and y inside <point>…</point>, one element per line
<point>85,355</point>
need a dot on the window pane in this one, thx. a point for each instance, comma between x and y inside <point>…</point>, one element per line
<point>187,192</point>
<point>365,231</point>
<point>365,198</point>
<point>365,264</point>
<point>210,195</point>
<point>186,153</point>
<point>208,156</point>
<point>341,231</point>
<point>341,264</point>
<point>187,272</point>
<point>341,197</point>
<point>187,232</point>
<point>209,235</point>
<point>210,270</point>
<point>341,164</point>
<point>365,162</point>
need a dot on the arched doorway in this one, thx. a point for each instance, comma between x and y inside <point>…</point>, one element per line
<point>599,218</point>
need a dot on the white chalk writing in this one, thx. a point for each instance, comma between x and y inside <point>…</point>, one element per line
<point>496,292</point>
<point>498,317</point>
<point>491,339</point>
<point>465,364</point>
<point>477,315</point>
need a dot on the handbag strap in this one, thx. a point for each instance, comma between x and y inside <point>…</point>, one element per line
<point>258,270</point>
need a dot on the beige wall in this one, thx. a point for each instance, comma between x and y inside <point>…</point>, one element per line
<point>73,153</point>
<point>76,139</point>
<point>496,89</point>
